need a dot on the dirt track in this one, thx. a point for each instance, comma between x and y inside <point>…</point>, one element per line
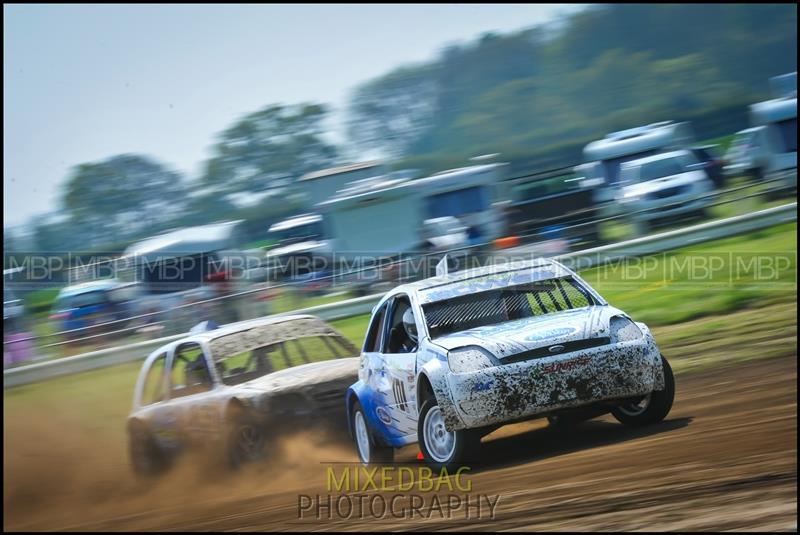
<point>726,458</point>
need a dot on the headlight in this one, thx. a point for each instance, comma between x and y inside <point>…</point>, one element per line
<point>469,359</point>
<point>623,330</point>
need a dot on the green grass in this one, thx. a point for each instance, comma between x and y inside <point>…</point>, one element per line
<point>711,278</point>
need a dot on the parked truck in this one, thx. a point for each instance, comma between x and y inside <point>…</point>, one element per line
<point>603,158</point>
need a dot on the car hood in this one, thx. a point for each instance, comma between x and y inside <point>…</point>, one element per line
<point>306,374</point>
<point>510,338</point>
<point>643,188</point>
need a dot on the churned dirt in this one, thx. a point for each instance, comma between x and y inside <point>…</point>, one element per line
<point>725,458</point>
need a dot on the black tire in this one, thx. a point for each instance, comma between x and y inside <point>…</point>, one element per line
<point>246,438</point>
<point>652,408</point>
<point>465,447</point>
<point>367,449</point>
<point>146,457</point>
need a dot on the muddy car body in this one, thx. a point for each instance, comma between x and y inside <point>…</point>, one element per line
<point>235,389</point>
<point>497,345</point>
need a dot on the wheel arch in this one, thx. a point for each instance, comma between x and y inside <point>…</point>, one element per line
<point>432,380</point>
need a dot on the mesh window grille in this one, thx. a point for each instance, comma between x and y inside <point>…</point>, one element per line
<point>506,304</point>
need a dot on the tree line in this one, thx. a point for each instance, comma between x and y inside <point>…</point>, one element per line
<point>535,96</point>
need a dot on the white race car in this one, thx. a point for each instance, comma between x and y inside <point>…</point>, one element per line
<point>450,358</point>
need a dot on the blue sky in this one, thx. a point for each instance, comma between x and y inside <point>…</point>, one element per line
<point>82,83</point>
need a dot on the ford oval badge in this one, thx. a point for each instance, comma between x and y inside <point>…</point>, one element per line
<point>556,349</point>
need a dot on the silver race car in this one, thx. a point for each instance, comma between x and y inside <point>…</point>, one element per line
<point>450,358</point>
<point>234,389</point>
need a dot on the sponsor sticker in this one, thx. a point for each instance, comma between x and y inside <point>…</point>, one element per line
<point>383,416</point>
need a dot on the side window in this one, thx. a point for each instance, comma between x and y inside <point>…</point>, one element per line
<point>398,341</point>
<point>153,388</point>
<point>190,373</point>
<point>317,348</point>
<point>374,336</point>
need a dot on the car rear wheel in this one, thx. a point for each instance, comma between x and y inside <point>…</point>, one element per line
<point>651,408</point>
<point>443,449</point>
<point>368,452</point>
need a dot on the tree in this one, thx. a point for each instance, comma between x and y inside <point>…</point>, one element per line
<point>270,148</point>
<point>389,113</point>
<point>124,195</point>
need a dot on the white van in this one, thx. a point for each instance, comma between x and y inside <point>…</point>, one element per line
<point>604,158</point>
<point>663,186</point>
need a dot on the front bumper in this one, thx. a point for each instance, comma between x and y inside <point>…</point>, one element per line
<point>516,391</point>
<point>669,207</point>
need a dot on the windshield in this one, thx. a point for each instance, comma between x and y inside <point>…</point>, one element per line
<point>501,305</point>
<point>309,231</point>
<point>652,170</point>
<point>611,166</point>
<point>241,357</point>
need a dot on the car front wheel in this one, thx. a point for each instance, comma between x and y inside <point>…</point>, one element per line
<point>145,455</point>
<point>651,408</point>
<point>246,438</point>
<point>441,448</point>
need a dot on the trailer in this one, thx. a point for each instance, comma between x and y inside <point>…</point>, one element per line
<point>391,215</point>
<point>381,219</point>
<point>186,266</point>
<point>555,208</point>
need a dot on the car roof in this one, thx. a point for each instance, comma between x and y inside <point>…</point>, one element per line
<point>240,326</point>
<point>295,221</point>
<point>427,289</point>
<point>340,169</point>
<point>655,158</point>
<point>244,336</point>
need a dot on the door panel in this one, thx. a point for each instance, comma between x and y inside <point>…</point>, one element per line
<point>398,380</point>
